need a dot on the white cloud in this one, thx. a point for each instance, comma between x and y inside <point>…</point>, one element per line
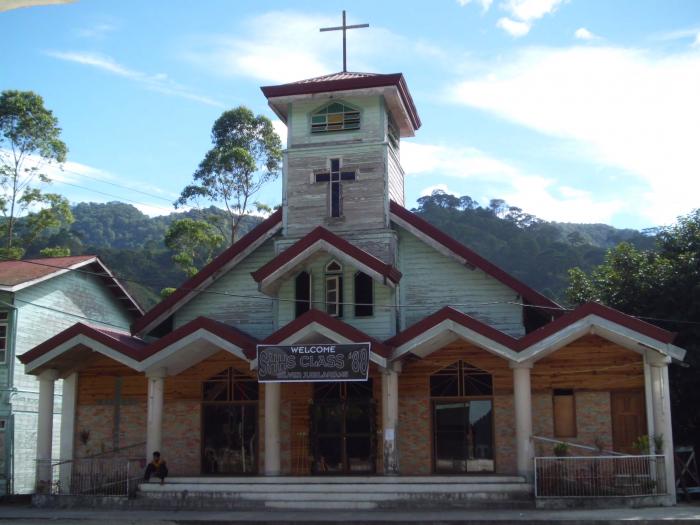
<point>535,194</point>
<point>523,13</point>
<point>285,46</point>
<point>96,31</point>
<point>625,108</point>
<point>158,82</point>
<point>281,129</point>
<point>485,4</point>
<point>513,27</point>
<point>584,34</point>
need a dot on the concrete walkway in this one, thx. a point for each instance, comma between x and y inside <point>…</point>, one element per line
<point>25,515</point>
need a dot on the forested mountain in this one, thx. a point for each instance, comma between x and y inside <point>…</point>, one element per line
<point>539,253</point>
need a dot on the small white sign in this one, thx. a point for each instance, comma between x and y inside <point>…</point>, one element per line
<point>388,434</point>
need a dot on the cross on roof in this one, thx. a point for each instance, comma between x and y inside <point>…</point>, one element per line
<point>334,176</point>
<point>344,28</point>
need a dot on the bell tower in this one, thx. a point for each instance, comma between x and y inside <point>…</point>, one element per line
<point>342,163</point>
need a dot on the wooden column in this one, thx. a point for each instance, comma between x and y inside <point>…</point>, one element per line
<point>390,419</point>
<point>661,402</point>
<point>68,404</point>
<point>44,434</point>
<point>154,424</point>
<point>272,429</point>
<point>522,402</point>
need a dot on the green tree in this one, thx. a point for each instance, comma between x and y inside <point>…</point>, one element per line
<point>29,141</point>
<point>193,243</point>
<point>661,286</point>
<point>246,154</point>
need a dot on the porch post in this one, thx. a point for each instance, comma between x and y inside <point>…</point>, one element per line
<point>661,401</point>
<point>70,390</point>
<point>522,403</point>
<point>272,429</point>
<point>390,419</point>
<point>44,433</point>
<point>154,424</point>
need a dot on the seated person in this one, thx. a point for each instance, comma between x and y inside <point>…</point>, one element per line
<point>156,468</point>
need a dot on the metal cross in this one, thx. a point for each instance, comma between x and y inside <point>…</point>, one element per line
<point>344,28</point>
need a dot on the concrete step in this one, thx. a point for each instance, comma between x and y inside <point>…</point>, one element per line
<point>326,480</point>
<point>320,505</point>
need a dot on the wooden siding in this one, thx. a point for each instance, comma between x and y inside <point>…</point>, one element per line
<point>396,177</point>
<point>364,199</point>
<point>590,363</point>
<point>381,325</point>
<point>247,312</point>
<point>432,280</point>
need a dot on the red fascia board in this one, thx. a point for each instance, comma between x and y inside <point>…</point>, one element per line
<point>615,316</point>
<point>229,333</point>
<point>448,313</point>
<point>347,84</point>
<point>191,284</point>
<point>132,352</point>
<point>321,234</point>
<point>605,312</point>
<point>336,325</point>
<point>527,293</point>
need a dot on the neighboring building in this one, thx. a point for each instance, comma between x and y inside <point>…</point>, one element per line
<point>467,363</point>
<point>40,298</point>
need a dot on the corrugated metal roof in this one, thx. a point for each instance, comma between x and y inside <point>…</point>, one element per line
<point>13,273</point>
<point>341,75</point>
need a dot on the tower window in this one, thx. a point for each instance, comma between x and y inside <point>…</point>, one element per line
<point>335,117</point>
<point>302,293</point>
<point>364,295</point>
<point>334,289</point>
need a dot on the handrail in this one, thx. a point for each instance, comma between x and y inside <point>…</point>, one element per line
<point>578,445</point>
<point>133,445</point>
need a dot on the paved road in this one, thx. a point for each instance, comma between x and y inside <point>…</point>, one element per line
<point>25,515</point>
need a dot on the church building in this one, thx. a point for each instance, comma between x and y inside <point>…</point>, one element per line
<point>458,368</point>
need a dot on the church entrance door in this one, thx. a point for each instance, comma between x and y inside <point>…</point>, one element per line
<point>343,428</point>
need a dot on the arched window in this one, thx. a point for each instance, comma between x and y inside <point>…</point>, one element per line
<point>336,116</point>
<point>302,293</point>
<point>364,295</point>
<point>334,289</point>
<point>463,434</point>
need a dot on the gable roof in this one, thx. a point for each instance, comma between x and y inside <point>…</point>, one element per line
<point>331,323</point>
<point>322,239</point>
<point>530,345</point>
<point>20,274</point>
<point>345,81</point>
<point>411,221</point>
<point>212,271</point>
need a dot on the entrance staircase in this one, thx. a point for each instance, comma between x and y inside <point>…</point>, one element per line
<point>336,493</point>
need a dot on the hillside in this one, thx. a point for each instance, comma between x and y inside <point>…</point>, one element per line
<point>539,253</point>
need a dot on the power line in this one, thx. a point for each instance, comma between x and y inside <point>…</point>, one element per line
<point>169,210</point>
<point>96,179</point>
<point>72,314</point>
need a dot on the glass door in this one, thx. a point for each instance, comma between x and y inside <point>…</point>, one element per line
<point>463,436</point>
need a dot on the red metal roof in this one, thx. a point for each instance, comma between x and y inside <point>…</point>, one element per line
<point>333,324</point>
<point>192,285</point>
<point>13,273</point>
<point>346,81</point>
<point>320,234</point>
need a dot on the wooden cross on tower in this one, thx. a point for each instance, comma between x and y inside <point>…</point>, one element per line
<point>344,29</point>
<point>335,191</point>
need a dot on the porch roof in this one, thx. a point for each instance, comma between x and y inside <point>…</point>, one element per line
<point>321,239</point>
<point>316,321</point>
<point>422,337</point>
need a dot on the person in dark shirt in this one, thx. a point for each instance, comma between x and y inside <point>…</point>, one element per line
<point>156,468</point>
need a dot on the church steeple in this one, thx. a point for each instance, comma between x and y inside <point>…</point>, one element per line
<point>342,163</point>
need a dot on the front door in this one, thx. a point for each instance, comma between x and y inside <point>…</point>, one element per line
<point>342,428</point>
<point>628,419</point>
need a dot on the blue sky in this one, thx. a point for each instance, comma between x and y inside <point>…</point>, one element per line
<point>578,110</point>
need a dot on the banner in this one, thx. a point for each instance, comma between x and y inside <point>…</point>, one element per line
<point>317,362</point>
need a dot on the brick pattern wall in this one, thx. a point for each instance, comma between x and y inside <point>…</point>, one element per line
<point>504,436</point>
<point>182,437</point>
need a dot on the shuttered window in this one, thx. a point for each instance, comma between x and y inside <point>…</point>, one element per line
<point>364,295</point>
<point>302,293</point>
<point>564,407</point>
<point>335,117</point>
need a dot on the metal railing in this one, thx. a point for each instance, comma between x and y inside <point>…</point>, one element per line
<point>600,476</point>
<point>89,476</point>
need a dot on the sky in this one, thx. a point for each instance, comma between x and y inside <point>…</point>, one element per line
<point>573,110</point>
